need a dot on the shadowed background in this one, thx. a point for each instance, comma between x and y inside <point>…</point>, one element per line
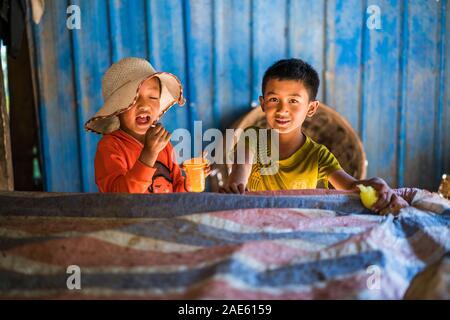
<point>391,84</point>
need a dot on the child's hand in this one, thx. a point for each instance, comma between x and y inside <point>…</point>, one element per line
<point>237,181</point>
<point>233,187</point>
<point>388,200</point>
<point>235,184</point>
<point>156,139</point>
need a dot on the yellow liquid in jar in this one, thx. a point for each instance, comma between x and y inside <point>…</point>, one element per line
<point>195,169</point>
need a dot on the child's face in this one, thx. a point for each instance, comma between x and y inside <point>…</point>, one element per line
<point>286,104</point>
<point>145,111</point>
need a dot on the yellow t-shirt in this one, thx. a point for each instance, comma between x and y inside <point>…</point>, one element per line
<point>308,165</point>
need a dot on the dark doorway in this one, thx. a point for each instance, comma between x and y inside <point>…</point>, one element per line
<point>24,122</point>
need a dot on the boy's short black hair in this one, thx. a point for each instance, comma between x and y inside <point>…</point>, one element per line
<point>293,69</point>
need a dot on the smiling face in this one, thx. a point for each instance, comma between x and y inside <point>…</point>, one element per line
<point>286,105</point>
<point>145,111</point>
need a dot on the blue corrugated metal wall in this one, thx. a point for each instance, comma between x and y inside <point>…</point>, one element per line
<point>392,84</point>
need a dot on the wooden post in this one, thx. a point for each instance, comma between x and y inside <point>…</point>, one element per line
<point>6,168</point>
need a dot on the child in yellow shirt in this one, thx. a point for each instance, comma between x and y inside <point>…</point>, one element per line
<point>289,89</point>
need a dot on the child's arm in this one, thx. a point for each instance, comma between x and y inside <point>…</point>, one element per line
<point>238,178</point>
<point>388,200</point>
<point>156,139</point>
<point>111,174</point>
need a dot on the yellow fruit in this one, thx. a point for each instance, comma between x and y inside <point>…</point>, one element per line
<point>368,195</point>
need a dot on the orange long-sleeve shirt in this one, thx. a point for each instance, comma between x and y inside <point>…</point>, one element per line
<point>117,168</point>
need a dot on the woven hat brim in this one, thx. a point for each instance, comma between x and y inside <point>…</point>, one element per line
<point>106,119</point>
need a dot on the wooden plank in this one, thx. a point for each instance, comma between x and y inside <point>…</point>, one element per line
<point>23,120</point>
<point>401,140</point>
<point>57,107</point>
<point>344,27</point>
<point>232,61</point>
<point>127,29</point>
<point>443,152</point>
<point>306,35</point>
<point>6,168</point>
<point>446,90</point>
<point>198,28</point>
<point>381,83</point>
<point>421,88</point>
<point>269,39</point>
<point>166,47</point>
<point>90,61</point>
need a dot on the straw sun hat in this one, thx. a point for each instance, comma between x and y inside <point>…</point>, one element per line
<point>120,90</point>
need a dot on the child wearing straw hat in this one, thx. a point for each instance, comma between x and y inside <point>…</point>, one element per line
<point>135,154</point>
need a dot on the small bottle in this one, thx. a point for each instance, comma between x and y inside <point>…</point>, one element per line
<point>444,188</point>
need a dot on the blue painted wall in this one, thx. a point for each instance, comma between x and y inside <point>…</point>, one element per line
<point>392,83</point>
